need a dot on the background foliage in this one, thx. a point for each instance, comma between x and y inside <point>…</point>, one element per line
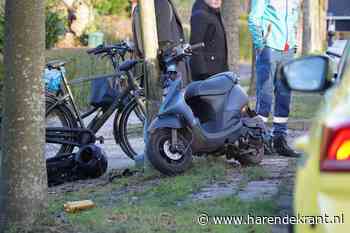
<point>111,7</point>
<point>55,27</point>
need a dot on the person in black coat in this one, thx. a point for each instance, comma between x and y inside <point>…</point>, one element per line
<point>170,31</point>
<point>207,26</point>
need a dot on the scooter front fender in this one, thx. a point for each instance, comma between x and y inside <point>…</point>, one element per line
<point>170,121</point>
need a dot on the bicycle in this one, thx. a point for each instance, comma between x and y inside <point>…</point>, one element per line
<point>61,108</point>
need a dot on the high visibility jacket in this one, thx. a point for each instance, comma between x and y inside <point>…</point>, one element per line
<point>274,23</point>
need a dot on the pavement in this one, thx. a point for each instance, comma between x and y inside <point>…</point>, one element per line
<point>117,159</point>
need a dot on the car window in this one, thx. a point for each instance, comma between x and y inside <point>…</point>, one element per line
<point>345,59</point>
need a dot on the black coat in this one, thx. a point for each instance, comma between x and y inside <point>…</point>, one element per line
<point>170,31</point>
<point>207,26</point>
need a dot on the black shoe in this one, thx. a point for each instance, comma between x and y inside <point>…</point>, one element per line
<point>281,147</point>
<point>268,148</point>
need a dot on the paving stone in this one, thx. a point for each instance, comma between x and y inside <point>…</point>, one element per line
<point>256,190</point>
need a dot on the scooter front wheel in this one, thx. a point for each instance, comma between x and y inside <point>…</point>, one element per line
<point>169,159</point>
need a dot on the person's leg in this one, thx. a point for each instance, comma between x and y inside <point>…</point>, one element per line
<point>282,105</point>
<point>264,72</point>
<point>264,79</point>
<point>281,111</point>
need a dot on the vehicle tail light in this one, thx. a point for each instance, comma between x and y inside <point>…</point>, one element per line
<point>335,149</point>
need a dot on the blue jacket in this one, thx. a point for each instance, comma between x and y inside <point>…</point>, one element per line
<point>273,23</point>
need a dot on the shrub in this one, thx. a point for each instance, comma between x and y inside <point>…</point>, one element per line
<point>55,27</point>
<point>111,7</point>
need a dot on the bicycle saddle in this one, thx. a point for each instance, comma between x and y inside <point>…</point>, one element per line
<point>56,64</point>
<point>128,64</point>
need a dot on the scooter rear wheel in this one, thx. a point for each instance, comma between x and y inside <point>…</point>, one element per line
<point>163,158</point>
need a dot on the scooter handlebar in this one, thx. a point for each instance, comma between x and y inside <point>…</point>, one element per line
<point>177,53</point>
<point>198,46</point>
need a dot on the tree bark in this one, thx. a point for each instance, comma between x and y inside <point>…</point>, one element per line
<point>252,83</point>
<point>152,75</point>
<point>231,11</point>
<point>307,27</point>
<point>314,31</point>
<point>23,174</point>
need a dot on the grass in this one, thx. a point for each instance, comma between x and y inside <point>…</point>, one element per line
<point>255,173</point>
<point>136,204</point>
<point>303,106</point>
<point>249,174</point>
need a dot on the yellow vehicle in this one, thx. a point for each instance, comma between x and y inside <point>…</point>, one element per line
<point>322,187</point>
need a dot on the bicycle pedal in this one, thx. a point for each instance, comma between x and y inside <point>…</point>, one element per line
<point>101,139</point>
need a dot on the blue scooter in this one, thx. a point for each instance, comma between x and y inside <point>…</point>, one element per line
<point>207,117</point>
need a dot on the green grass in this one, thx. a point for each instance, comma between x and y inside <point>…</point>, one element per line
<point>249,174</point>
<point>161,204</point>
<point>255,173</point>
<point>303,106</point>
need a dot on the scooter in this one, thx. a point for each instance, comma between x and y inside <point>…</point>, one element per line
<point>206,117</point>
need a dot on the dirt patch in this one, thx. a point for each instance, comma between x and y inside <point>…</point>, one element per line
<point>91,183</point>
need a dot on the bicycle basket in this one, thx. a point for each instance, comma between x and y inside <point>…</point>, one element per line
<point>104,92</point>
<point>52,79</point>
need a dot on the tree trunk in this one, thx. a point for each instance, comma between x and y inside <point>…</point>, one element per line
<point>314,32</point>
<point>23,173</point>
<point>231,11</point>
<point>323,22</point>
<point>307,27</point>
<point>252,83</point>
<point>152,75</point>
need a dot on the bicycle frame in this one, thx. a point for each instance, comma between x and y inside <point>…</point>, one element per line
<point>84,135</point>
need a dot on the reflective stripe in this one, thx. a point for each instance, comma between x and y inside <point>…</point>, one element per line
<point>280,119</point>
<point>265,119</point>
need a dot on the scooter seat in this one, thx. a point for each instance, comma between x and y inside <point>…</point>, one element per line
<point>218,84</point>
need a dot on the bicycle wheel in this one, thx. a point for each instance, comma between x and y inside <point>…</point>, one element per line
<point>131,129</point>
<point>58,116</point>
